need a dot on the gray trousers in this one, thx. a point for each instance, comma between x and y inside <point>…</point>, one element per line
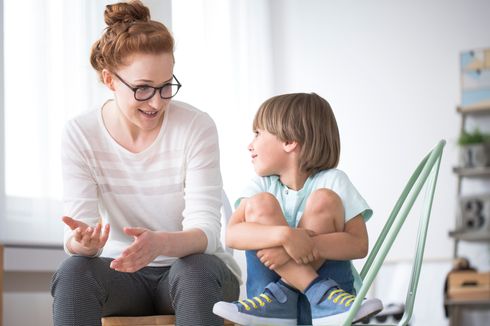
<point>86,289</point>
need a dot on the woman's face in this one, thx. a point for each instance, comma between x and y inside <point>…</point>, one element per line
<point>143,70</point>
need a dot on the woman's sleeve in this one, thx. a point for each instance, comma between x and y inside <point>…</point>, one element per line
<point>79,185</point>
<point>203,183</point>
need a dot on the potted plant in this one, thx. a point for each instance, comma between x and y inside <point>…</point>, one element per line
<point>473,151</point>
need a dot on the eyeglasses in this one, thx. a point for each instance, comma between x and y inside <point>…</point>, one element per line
<point>146,92</point>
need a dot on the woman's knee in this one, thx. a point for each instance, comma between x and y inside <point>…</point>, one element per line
<point>77,270</point>
<point>193,268</point>
<point>263,208</point>
<point>200,273</point>
<point>78,264</point>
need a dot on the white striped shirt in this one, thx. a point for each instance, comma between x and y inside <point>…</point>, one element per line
<point>173,185</point>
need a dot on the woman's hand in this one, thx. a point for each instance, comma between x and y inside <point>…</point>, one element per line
<point>300,247</point>
<point>143,250</point>
<point>273,258</point>
<point>86,240</point>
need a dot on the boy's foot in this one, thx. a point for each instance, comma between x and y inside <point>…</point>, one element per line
<point>330,304</point>
<point>277,305</point>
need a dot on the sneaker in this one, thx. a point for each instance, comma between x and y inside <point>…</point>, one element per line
<point>330,304</point>
<point>277,305</point>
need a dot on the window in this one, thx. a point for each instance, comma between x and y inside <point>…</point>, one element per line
<point>47,80</point>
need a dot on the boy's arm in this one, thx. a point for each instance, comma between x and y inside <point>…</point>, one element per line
<point>352,243</point>
<point>252,236</point>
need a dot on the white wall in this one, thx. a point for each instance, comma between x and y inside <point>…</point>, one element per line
<point>391,73</point>
<point>390,70</point>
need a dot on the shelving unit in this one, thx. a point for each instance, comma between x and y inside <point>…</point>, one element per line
<point>456,306</point>
<point>473,173</point>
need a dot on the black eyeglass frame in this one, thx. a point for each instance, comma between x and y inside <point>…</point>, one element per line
<point>155,89</point>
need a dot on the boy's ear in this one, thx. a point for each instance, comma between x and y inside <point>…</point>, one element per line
<point>108,79</point>
<point>290,146</point>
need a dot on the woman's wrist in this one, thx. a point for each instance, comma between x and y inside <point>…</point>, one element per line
<point>75,248</point>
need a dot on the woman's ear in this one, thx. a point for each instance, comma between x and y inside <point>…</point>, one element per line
<point>290,146</point>
<point>108,79</point>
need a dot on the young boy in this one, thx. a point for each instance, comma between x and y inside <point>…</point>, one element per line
<point>300,220</point>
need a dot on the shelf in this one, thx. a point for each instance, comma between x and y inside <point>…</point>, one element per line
<point>472,172</point>
<point>474,109</point>
<point>470,235</point>
<point>467,302</point>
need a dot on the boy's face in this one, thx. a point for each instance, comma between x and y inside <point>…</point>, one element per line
<point>268,154</point>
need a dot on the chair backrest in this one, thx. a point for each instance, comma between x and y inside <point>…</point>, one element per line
<point>226,212</point>
<point>425,174</point>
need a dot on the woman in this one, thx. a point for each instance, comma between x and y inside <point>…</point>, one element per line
<point>148,168</point>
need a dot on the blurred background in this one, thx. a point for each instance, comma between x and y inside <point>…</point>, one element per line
<point>391,70</point>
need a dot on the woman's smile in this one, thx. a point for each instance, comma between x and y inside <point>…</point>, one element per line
<point>149,114</point>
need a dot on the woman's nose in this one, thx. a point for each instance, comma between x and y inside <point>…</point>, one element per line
<point>156,101</point>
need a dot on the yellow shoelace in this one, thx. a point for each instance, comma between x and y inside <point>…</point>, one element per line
<point>254,303</point>
<point>344,297</point>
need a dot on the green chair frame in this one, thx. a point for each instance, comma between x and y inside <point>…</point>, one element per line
<point>425,174</point>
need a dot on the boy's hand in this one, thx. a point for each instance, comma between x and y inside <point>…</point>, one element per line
<point>273,258</point>
<point>300,246</point>
<point>86,240</point>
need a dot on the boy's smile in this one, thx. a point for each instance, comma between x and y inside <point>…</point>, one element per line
<point>267,152</point>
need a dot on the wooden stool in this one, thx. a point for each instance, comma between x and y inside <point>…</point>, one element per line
<point>167,320</point>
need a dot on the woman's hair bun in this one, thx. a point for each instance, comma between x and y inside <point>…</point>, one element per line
<point>126,13</point>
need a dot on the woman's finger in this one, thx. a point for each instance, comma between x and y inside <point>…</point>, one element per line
<point>72,223</point>
<point>77,234</point>
<point>86,237</point>
<point>105,235</point>
<point>96,232</point>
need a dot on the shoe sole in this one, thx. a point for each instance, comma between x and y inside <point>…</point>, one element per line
<point>223,310</point>
<point>367,310</point>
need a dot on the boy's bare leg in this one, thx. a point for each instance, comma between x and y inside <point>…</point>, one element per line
<point>324,213</point>
<point>264,208</point>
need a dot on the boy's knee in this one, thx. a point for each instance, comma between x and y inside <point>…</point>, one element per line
<point>324,212</point>
<point>322,200</point>
<point>260,206</point>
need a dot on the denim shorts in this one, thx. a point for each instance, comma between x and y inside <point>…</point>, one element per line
<point>258,276</point>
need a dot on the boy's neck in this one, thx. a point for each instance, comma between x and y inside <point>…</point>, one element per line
<point>294,180</point>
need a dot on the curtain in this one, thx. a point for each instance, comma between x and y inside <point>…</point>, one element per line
<point>224,61</point>
<point>47,80</point>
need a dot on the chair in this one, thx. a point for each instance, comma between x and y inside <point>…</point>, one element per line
<point>162,320</point>
<point>425,174</point>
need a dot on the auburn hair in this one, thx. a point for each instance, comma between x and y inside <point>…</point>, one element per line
<point>129,30</point>
<point>307,119</point>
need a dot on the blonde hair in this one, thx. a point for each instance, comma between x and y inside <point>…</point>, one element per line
<point>129,30</point>
<point>307,119</point>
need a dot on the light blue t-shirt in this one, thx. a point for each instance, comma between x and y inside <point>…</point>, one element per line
<point>293,202</point>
